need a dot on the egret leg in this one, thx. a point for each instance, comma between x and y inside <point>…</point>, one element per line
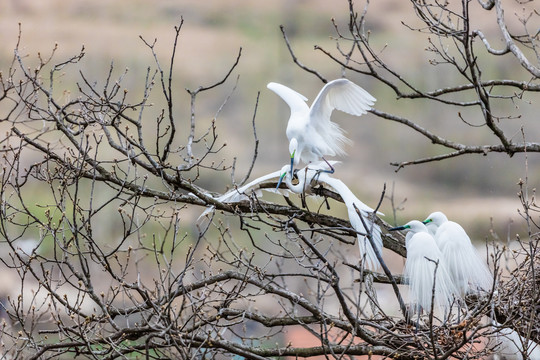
<point>447,314</point>
<point>418,309</point>
<point>465,309</point>
<point>331,171</point>
<point>462,305</point>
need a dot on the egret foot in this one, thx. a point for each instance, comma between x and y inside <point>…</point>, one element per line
<point>331,171</point>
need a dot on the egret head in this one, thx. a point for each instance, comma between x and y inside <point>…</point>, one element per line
<point>413,226</point>
<point>437,218</point>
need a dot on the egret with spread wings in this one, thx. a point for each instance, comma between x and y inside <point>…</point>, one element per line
<point>311,133</point>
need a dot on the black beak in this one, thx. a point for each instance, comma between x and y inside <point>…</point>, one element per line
<point>397,228</point>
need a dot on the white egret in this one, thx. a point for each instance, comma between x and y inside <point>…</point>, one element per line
<point>423,255</point>
<point>308,177</point>
<point>311,133</point>
<point>243,192</point>
<point>254,187</point>
<point>367,252</point>
<point>309,174</point>
<point>467,270</point>
<point>512,345</point>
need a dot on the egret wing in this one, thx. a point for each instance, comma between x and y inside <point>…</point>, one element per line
<point>422,253</point>
<point>242,193</point>
<point>343,95</point>
<point>344,191</point>
<point>465,265</point>
<point>366,250</point>
<point>295,100</point>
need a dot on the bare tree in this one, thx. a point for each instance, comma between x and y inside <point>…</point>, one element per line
<point>452,39</point>
<point>158,286</point>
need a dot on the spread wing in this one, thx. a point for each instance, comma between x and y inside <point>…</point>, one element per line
<point>295,100</point>
<point>243,192</point>
<point>343,95</point>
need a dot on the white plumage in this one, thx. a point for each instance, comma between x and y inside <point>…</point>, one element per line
<point>243,193</point>
<point>254,187</point>
<point>309,174</point>
<point>308,177</point>
<point>305,176</point>
<point>366,250</point>
<point>422,256</point>
<point>512,345</point>
<point>467,270</point>
<point>311,133</point>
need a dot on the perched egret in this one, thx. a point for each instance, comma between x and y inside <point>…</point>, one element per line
<point>423,255</point>
<point>466,268</point>
<point>512,345</point>
<point>308,175</point>
<point>311,133</point>
<point>243,193</point>
<point>366,250</point>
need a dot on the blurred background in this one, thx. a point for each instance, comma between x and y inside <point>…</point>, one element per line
<point>470,189</point>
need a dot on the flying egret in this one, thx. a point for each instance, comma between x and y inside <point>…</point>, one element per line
<point>466,268</point>
<point>311,133</point>
<point>423,255</point>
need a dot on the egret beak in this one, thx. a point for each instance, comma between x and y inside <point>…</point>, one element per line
<point>398,228</point>
<point>292,163</point>
<point>281,179</point>
<point>427,221</point>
